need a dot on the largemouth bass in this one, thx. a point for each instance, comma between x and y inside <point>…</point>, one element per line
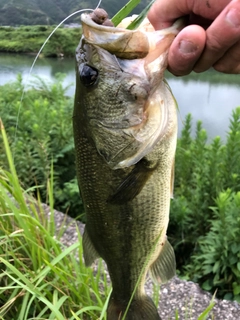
<point>125,131</point>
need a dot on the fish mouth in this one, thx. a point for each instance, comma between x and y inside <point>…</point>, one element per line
<point>129,44</point>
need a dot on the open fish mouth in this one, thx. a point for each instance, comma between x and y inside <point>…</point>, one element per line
<point>129,44</point>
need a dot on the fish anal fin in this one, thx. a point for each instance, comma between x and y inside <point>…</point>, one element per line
<point>133,183</point>
<point>164,267</point>
<point>89,252</point>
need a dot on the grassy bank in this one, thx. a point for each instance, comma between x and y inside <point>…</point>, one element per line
<point>29,39</point>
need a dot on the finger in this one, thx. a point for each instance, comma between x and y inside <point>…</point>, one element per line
<point>186,49</point>
<point>223,33</point>
<point>230,62</point>
<point>163,13</point>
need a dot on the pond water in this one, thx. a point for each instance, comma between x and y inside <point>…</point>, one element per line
<point>210,102</point>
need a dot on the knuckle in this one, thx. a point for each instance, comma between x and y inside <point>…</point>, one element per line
<point>230,62</point>
<point>216,43</point>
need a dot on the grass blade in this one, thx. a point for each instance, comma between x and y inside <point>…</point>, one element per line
<point>204,315</point>
<point>28,286</point>
<point>124,12</point>
<point>136,22</point>
<point>104,309</point>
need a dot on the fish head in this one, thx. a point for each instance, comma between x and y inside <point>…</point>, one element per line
<point>124,98</point>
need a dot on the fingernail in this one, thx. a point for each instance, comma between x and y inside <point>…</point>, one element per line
<point>233,18</point>
<point>187,47</point>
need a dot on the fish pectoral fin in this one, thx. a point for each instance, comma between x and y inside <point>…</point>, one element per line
<point>164,268</point>
<point>89,252</point>
<point>133,183</point>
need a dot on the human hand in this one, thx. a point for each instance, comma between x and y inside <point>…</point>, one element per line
<point>210,39</point>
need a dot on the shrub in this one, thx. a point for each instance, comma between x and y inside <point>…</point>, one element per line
<point>43,135</point>
<point>216,262</point>
<point>205,172</point>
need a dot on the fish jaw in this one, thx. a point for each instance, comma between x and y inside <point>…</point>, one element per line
<point>143,55</point>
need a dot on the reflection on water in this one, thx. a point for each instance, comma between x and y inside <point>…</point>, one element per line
<point>209,102</point>
<point>46,68</point>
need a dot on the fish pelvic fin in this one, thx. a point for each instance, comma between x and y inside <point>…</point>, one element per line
<point>164,267</point>
<point>140,309</point>
<point>89,252</point>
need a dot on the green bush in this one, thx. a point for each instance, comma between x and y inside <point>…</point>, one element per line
<point>204,172</point>
<point>216,262</point>
<point>43,135</point>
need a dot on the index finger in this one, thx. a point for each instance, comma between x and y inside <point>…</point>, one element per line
<point>163,13</point>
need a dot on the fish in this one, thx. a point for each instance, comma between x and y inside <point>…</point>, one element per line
<point>125,134</point>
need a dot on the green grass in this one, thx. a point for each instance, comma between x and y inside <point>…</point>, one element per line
<point>41,279</point>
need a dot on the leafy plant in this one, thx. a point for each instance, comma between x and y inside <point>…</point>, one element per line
<point>216,262</point>
<point>206,172</point>
<point>43,134</point>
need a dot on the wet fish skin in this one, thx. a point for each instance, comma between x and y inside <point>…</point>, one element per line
<point>125,188</point>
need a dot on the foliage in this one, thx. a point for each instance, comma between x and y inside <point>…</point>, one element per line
<point>43,134</point>
<point>204,172</point>
<point>41,278</point>
<point>216,262</point>
<point>30,39</point>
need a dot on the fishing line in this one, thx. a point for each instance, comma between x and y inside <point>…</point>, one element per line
<point>35,60</point>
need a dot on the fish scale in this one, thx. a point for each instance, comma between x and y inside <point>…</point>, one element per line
<point>124,169</point>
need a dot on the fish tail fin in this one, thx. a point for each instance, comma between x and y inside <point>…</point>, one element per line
<point>140,309</point>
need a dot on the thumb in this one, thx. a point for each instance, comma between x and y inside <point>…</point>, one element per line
<point>186,49</point>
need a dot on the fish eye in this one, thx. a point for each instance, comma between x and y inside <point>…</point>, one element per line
<point>88,75</point>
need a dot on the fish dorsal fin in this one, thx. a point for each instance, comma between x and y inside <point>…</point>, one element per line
<point>89,252</point>
<point>133,183</point>
<point>164,267</point>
